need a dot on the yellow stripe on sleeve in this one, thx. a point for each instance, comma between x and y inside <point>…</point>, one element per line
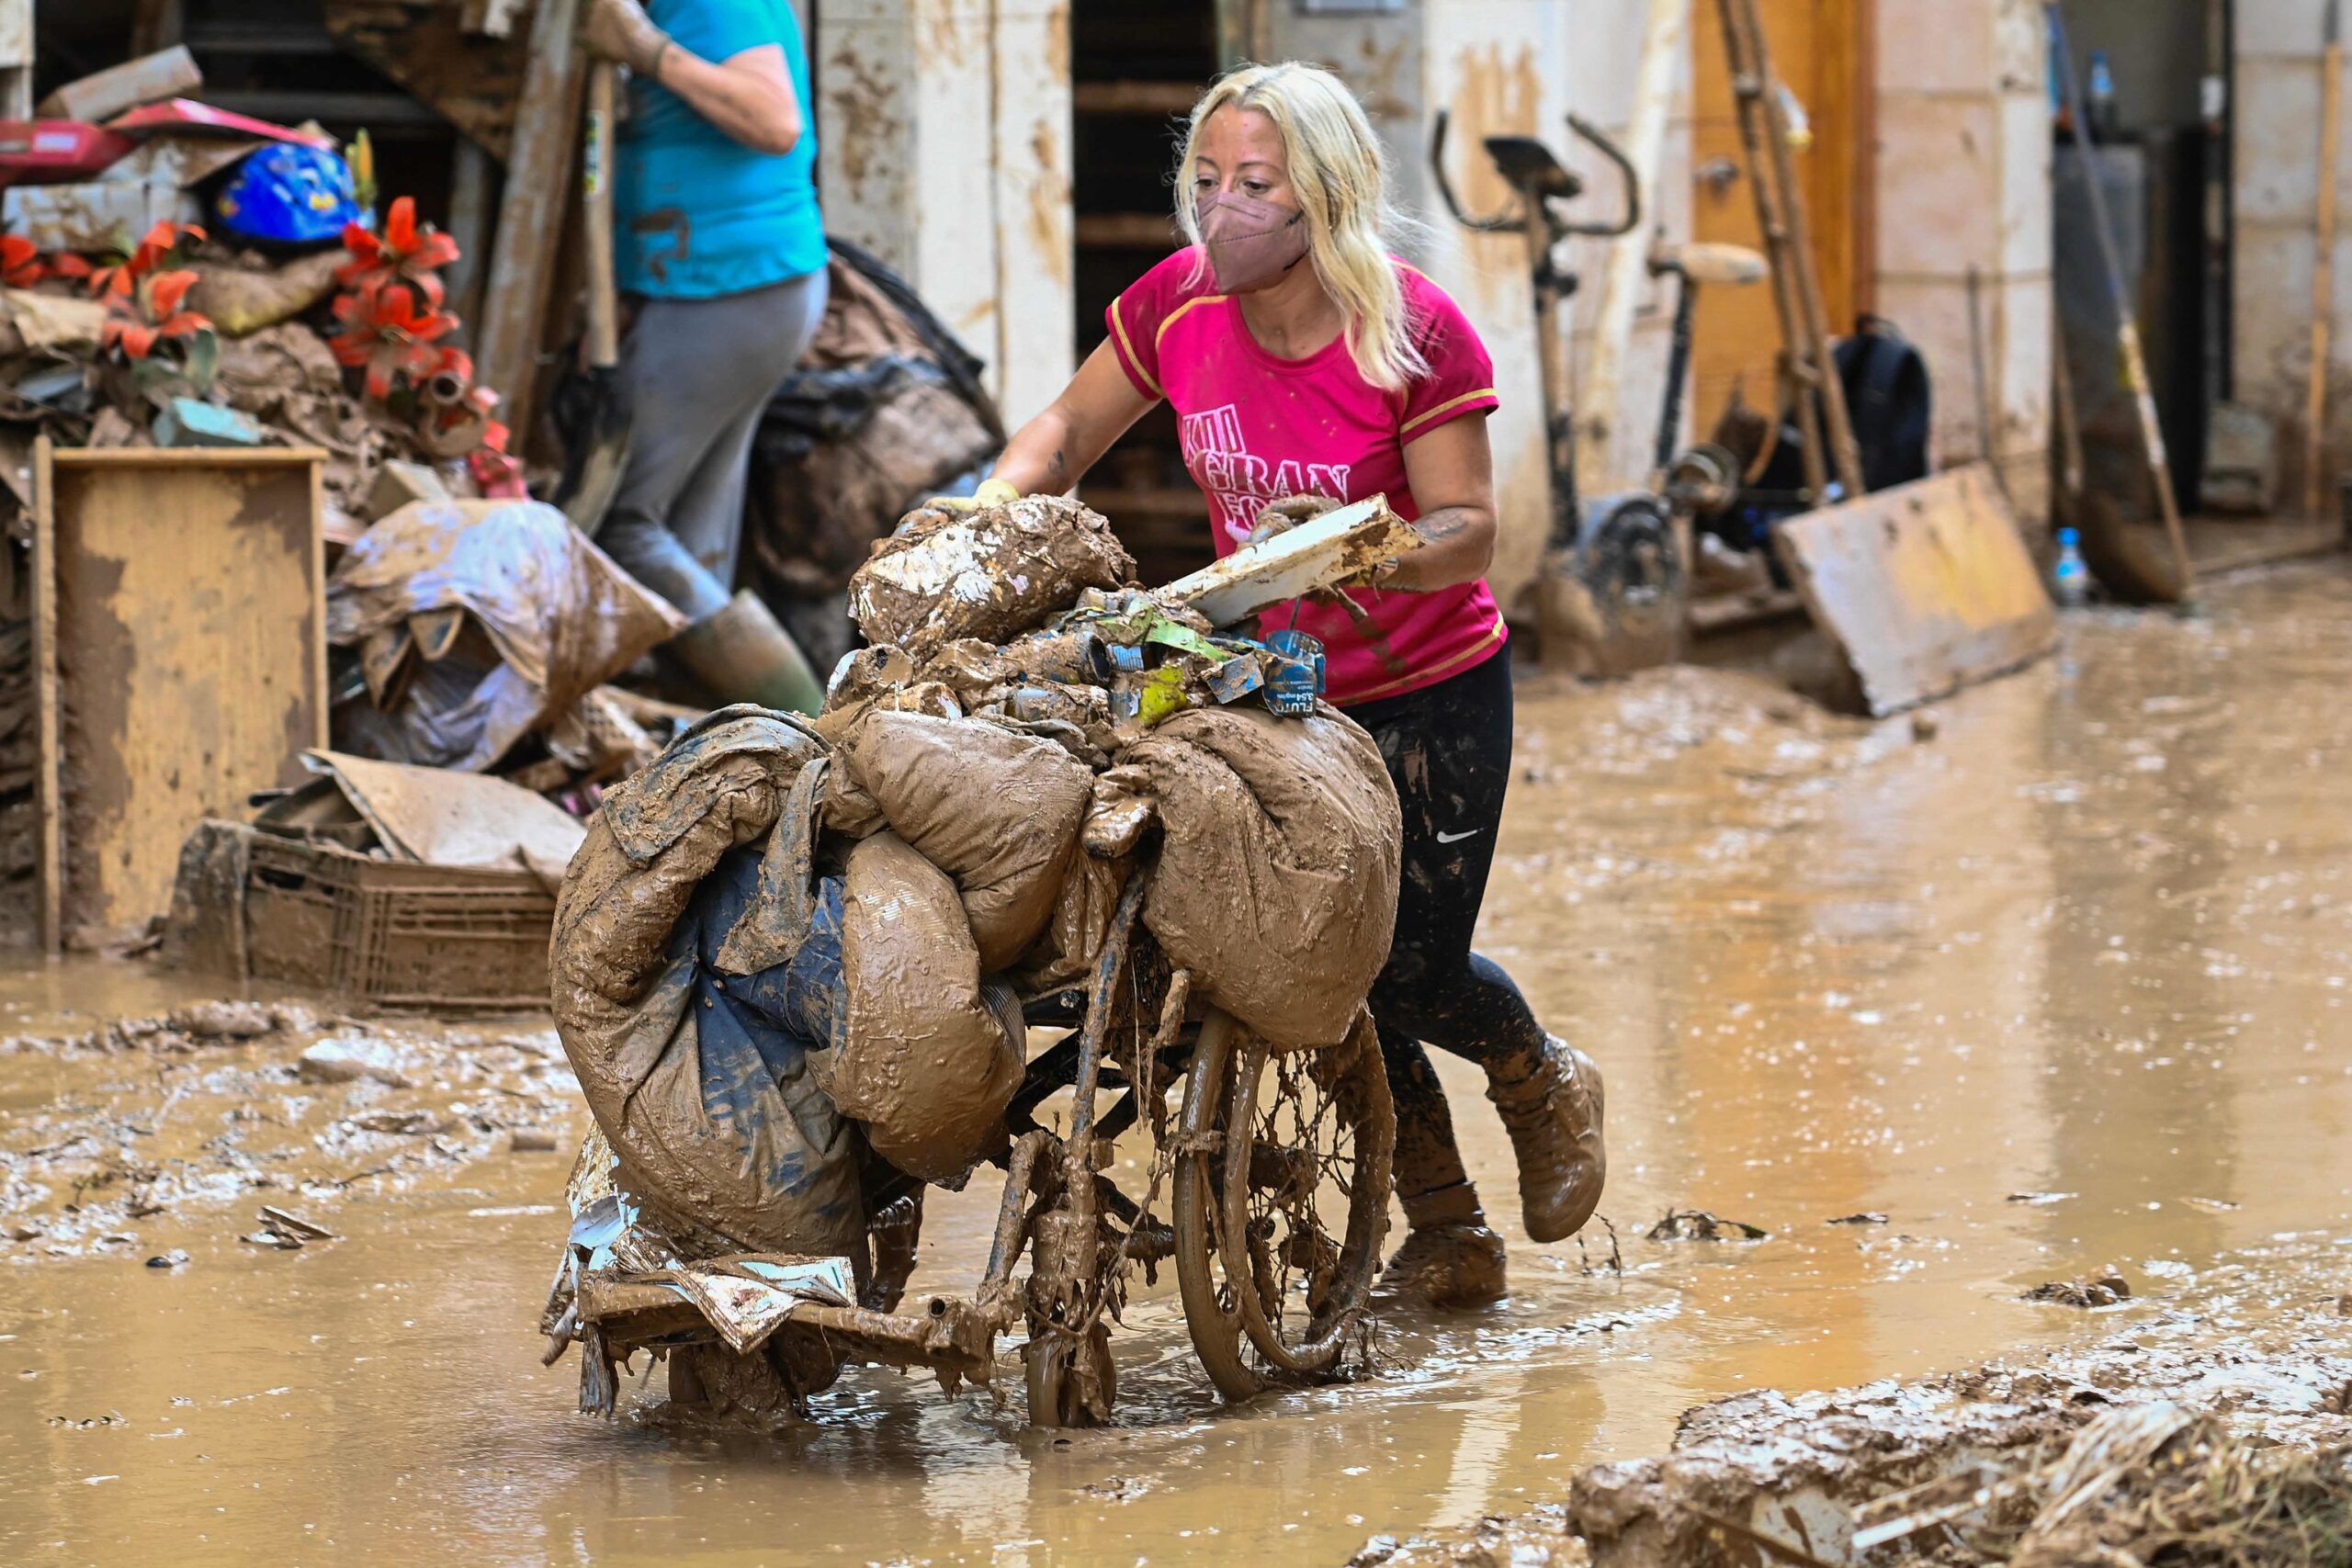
<point>1178,314</point>
<point>1450,403</point>
<point>1127,347</point>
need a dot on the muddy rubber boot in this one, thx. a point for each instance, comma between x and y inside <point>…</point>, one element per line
<point>1552,1106</point>
<point>743,655</point>
<point>1450,1259</point>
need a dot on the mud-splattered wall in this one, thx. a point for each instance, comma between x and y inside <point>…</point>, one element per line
<point>2276,170</point>
<point>1510,66</point>
<point>945,134</point>
<point>1963,182</point>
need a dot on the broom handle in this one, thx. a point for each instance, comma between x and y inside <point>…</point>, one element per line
<point>596,205</point>
<point>2126,328</point>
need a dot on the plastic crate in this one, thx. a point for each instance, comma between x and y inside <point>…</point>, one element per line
<point>398,934</point>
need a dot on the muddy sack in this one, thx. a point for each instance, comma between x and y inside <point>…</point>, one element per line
<point>992,574</point>
<point>998,811</point>
<point>926,1061</point>
<point>476,621</point>
<point>699,1076</point>
<point>1276,884</point>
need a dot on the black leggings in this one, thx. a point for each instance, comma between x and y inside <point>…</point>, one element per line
<point>1448,749</point>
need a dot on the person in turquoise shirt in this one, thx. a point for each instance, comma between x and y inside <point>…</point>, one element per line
<point>720,251</point>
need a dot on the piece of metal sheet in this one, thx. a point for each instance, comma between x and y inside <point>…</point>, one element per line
<point>1926,588</point>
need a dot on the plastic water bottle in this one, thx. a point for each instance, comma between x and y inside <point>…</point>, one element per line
<point>2070,580</point>
<point>2102,104</point>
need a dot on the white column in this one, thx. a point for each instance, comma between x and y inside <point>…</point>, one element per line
<point>1964,131</point>
<point>944,147</point>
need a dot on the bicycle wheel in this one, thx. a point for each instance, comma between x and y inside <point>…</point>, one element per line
<point>1291,1202</point>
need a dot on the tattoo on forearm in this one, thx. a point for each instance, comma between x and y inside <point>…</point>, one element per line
<point>1446,524</point>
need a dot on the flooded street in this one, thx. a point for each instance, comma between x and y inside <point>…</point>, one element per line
<point>2052,978</point>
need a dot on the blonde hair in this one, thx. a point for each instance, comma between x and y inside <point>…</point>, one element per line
<point>1342,179</point>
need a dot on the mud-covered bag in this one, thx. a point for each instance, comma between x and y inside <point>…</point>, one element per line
<point>991,574</point>
<point>998,811</point>
<point>1276,884</point>
<point>476,622</point>
<point>925,1061</point>
<point>695,1075</point>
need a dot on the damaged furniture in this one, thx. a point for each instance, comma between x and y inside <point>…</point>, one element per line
<point>391,884</point>
<point>179,647</point>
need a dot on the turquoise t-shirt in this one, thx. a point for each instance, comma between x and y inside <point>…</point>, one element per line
<point>697,214</point>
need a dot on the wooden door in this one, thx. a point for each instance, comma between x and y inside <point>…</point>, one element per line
<point>1821,50</point>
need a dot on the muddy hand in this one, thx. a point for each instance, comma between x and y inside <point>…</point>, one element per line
<point>1280,516</point>
<point>620,31</point>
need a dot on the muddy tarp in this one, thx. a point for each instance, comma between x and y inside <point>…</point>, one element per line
<point>476,621</point>
<point>928,1061</point>
<point>699,1077</point>
<point>991,574</point>
<point>1276,884</point>
<point>997,811</point>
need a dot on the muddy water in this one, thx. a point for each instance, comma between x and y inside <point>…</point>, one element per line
<point>2090,940</point>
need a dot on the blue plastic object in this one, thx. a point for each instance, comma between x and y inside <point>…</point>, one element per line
<point>286,194</point>
<point>1298,677</point>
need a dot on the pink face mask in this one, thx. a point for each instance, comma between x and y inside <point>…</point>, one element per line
<point>1252,243</point>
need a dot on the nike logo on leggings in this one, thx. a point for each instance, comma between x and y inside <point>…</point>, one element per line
<point>1456,838</point>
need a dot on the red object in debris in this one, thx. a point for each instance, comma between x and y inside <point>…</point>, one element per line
<point>55,151</point>
<point>186,114</point>
<point>497,476</point>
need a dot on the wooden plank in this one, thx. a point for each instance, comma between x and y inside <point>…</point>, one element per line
<point>538,195</point>
<point>185,660</point>
<point>1925,587</point>
<point>51,851</point>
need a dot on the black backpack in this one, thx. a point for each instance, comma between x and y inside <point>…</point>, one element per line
<point>1887,401</point>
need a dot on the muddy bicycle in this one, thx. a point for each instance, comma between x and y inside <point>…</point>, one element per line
<point>1274,1166</point>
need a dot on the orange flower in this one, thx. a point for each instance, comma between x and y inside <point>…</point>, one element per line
<point>384,330</point>
<point>164,238</point>
<point>404,252</point>
<point>150,314</point>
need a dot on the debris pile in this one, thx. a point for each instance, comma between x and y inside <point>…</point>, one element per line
<point>790,960</point>
<point>173,274</point>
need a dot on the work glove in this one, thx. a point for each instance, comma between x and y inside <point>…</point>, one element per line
<point>933,510</point>
<point>620,31</point>
<point>991,492</point>
<point>1281,515</point>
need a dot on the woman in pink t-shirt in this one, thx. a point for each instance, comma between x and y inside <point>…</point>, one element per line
<point>1302,359</point>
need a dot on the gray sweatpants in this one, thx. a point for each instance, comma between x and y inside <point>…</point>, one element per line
<point>694,374</point>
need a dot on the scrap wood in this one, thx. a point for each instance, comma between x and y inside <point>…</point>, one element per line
<point>166,74</point>
<point>1925,587</point>
<point>1341,543</point>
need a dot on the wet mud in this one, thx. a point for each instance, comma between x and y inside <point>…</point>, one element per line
<point>2054,984</point>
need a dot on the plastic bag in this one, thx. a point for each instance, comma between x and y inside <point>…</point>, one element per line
<point>478,622</point>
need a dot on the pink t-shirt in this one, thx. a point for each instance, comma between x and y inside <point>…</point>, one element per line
<point>1255,427</point>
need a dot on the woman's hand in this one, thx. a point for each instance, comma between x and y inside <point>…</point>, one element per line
<point>620,31</point>
<point>1452,470</point>
<point>749,96</point>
